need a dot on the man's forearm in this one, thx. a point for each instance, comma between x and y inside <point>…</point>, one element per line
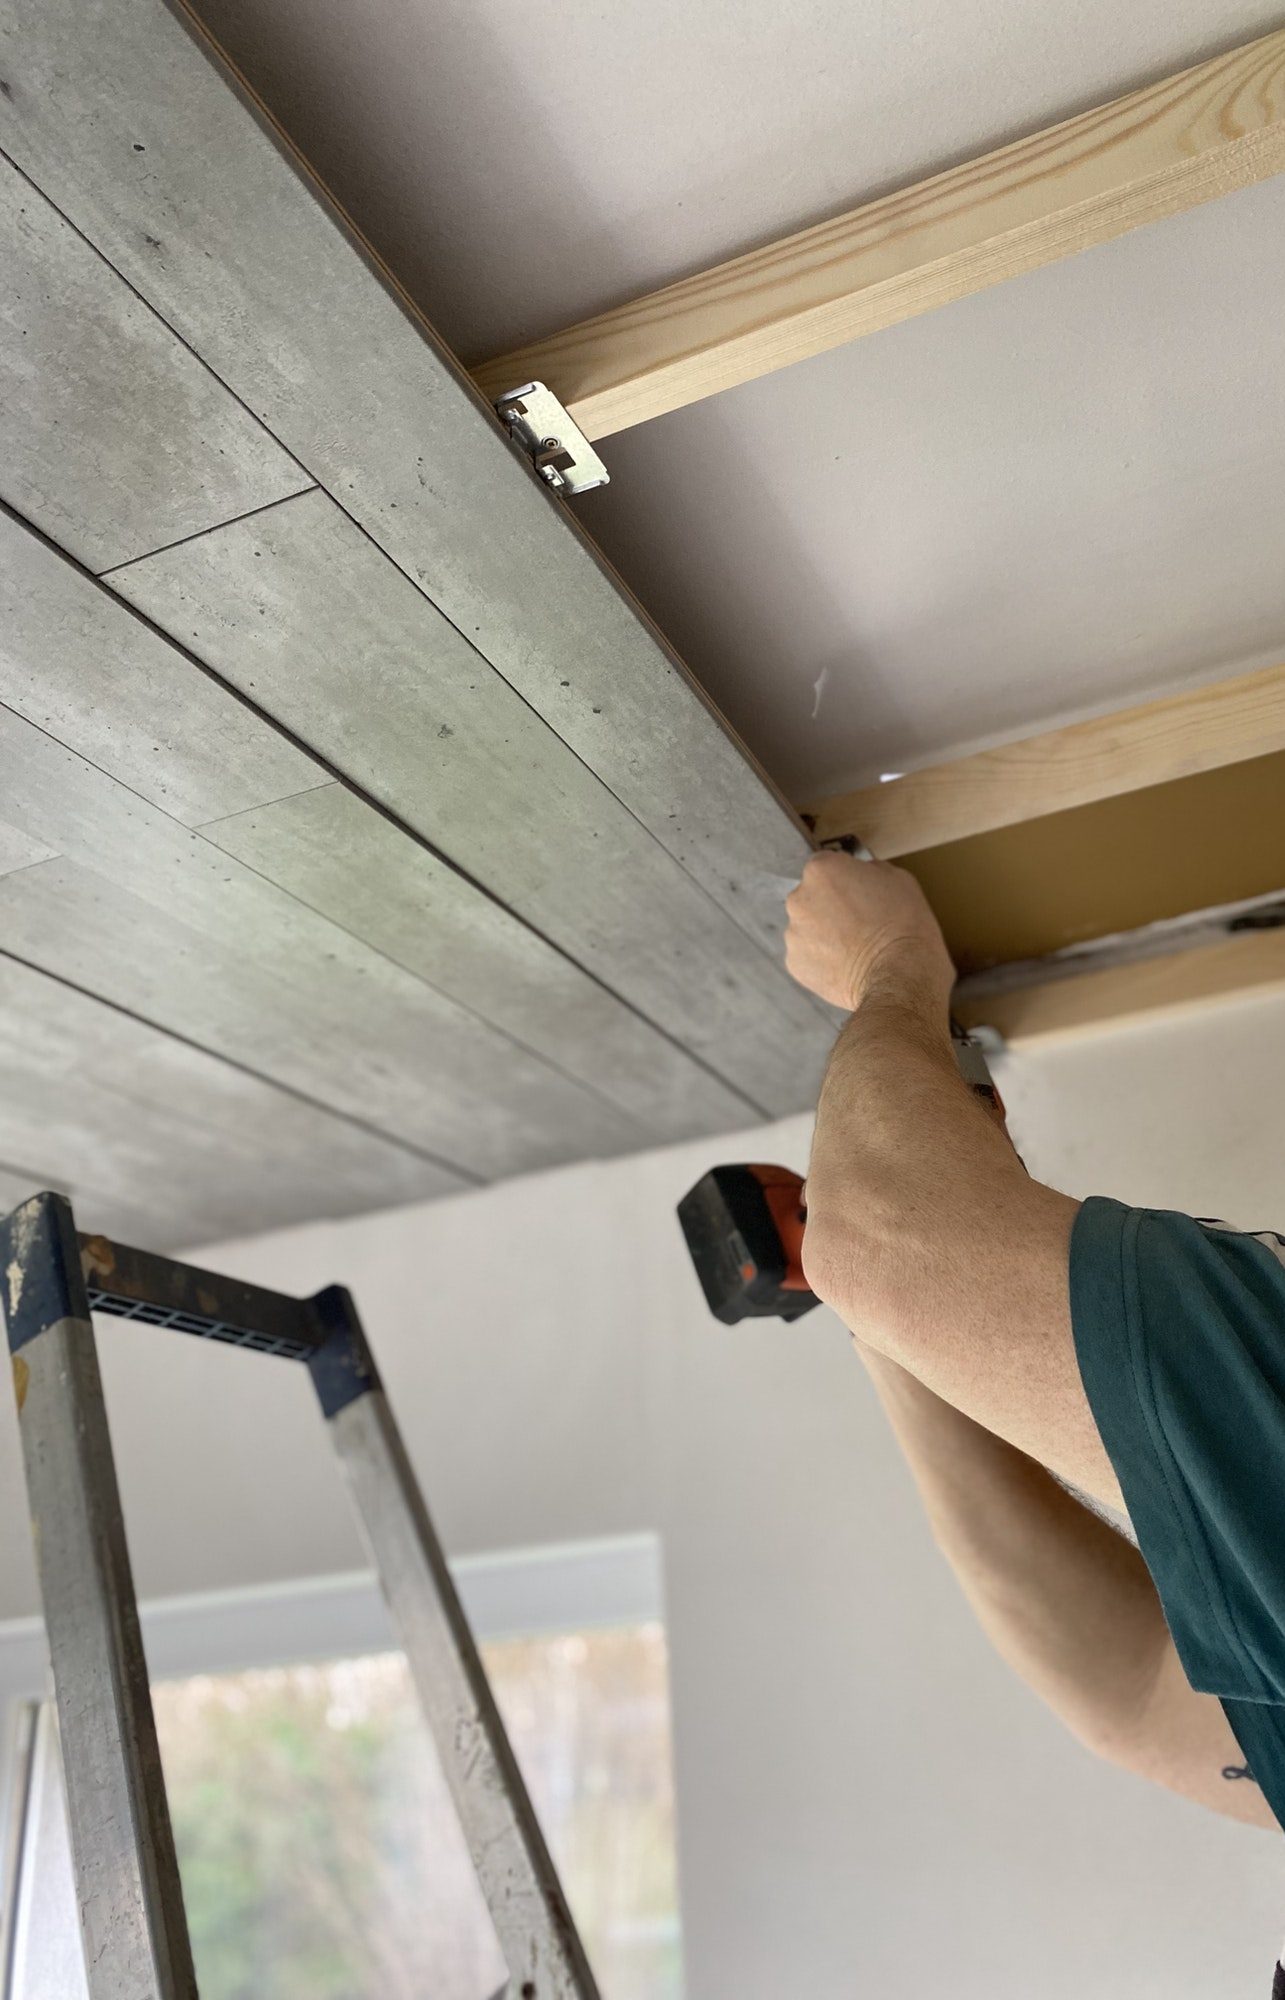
<point>928,1237</point>
<point>955,1267</point>
<point>1064,1599</point>
<point>902,1145</point>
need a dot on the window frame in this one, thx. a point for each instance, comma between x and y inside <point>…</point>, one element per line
<point>508,1594</point>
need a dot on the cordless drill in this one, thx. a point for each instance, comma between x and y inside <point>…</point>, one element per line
<point>744,1224</point>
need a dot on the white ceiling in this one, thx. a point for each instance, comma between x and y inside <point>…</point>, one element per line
<point>1049,499</point>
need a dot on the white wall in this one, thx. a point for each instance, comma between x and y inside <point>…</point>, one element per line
<point>865,1794</point>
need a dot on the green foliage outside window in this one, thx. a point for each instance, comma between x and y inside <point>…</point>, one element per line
<point>318,1847</point>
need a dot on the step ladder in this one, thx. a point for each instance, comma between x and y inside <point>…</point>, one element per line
<point>134,1929</point>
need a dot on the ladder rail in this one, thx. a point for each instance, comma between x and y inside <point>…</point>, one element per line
<point>533,1923</point>
<point>510,1858</point>
<point>133,1923</point>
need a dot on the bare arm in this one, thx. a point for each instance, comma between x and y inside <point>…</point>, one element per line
<point>924,1231</point>
<point>1066,1601</point>
<point>950,1265</point>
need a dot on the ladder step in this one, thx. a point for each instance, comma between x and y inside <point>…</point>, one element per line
<point>139,1284</point>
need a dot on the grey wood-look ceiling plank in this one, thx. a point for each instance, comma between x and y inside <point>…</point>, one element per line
<point>151,1135</point>
<point>299,608</point>
<point>290,993</point>
<point>109,1213</point>
<point>18,850</point>
<point>120,115</point>
<point>328,848</point>
<point>106,686</point>
<point>114,437</point>
<point>96,677</point>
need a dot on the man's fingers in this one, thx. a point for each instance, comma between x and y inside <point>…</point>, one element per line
<point>844,914</point>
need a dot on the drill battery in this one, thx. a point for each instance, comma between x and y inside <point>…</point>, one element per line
<point>744,1230</point>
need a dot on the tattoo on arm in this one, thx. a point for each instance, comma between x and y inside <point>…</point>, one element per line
<point>1239,1771</point>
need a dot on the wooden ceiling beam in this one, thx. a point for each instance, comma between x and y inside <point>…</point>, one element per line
<point>1091,872</point>
<point>1086,832</point>
<point>1075,1003</point>
<point>1182,734</point>
<point>1181,141</point>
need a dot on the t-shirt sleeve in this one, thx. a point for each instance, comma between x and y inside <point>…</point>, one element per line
<point>1180,1335</point>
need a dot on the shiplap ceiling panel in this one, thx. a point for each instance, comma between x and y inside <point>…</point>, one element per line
<point>197,208</point>
<point>116,437</point>
<point>160,1140</point>
<point>296,995</point>
<point>300,608</point>
<point>357,797</point>
<point>100,682</point>
<point>327,848</point>
<point>104,1210</point>
<point>19,850</point>
<point>79,929</point>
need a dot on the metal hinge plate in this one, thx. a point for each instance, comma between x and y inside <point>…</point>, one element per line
<point>558,448</point>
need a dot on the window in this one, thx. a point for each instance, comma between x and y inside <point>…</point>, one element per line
<point>317,1844</point>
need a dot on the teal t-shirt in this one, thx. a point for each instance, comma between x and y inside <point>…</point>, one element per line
<point>1180,1333</point>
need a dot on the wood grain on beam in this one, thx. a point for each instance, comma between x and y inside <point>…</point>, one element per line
<point>1173,738</point>
<point>1078,1003</point>
<point>1184,140</point>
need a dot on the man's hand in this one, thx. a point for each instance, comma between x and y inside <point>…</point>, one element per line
<point>849,920</point>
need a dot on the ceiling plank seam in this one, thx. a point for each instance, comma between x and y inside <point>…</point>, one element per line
<point>708,1094</point>
<point>400,437</point>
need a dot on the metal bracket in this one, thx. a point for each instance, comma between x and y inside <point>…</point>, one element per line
<point>558,448</point>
